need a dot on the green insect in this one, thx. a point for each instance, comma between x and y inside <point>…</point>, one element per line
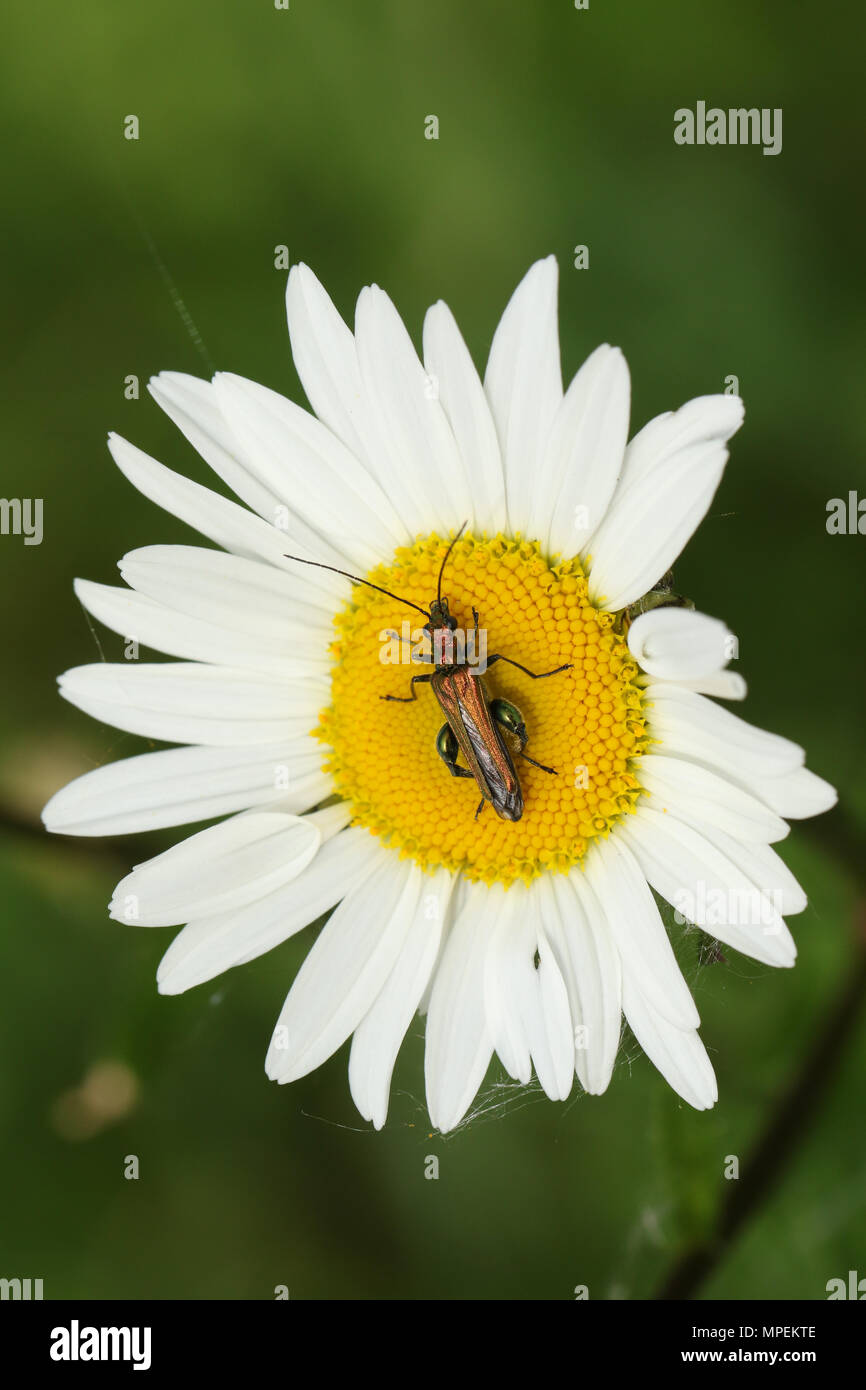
<point>662,595</point>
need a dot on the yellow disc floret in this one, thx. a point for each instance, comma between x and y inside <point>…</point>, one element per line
<point>587,723</point>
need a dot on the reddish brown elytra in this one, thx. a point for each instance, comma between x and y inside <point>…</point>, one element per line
<point>476,725</point>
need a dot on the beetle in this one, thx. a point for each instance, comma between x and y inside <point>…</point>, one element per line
<point>476,725</point>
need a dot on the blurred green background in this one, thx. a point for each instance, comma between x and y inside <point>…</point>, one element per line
<point>305,127</point>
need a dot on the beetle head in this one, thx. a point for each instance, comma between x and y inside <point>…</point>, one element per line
<point>440,617</point>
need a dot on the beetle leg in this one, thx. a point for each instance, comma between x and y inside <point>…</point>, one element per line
<point>551,770</point>
<point>533,675</point>
<point>510,719</point>
<point>448,749</point>
<point>480,807</point>
<point>405,699</point>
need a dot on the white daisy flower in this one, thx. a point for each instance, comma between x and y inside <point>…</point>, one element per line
<point>526,937</point>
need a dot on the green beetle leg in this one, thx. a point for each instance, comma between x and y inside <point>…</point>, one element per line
<point>509,718</point>
<point>448,749</point>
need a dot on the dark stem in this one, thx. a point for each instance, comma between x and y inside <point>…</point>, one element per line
<point>786,1130</point>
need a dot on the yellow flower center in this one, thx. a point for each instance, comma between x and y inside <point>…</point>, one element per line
<point>587,723</point>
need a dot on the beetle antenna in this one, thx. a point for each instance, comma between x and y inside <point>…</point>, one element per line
<point>355,580</point>
<point>445,560</point>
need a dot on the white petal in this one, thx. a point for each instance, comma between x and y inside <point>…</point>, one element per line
<point>707,887</point>
<point>763,867</point>
<point>345,970</point>
<point>704,420</point>
<point>219,869</point>
<point>724,685</point>
<point>584,454</point>
<point>451,908</point>
<point>411,421</point>
<point>694,793</point>
<point>183,703</point>
<point>504,981</point>
<point>378,1036</point>
<point>527,1008</point>
<point>324,354</point>
<point>551,1028</point>
<point>580,938</point>
<point>678,644</point>
<point>678,1053</point>
<point>523,383</point>
<point>798,793</point>
<point>637,929</point>
<point>692,727</point>
<point>329,821</point>
<point>770,767</point>
<point>459,1047</point>
<point>225,522</point>
<point>182,785</point>
<point>234,592</point>
<point>452,373</point>
<point>194,408</point>
<point>317,476</point>
<point>138,618</point>
<point>208,946</point>
<point>654,514</point>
